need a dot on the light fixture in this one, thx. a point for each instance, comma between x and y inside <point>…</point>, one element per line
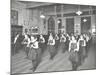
<point>58,21</point>
<point>36,27</point>
<point>42,14</point>
<point>79,12</point>
<point>93,30</point>
<point>84,20</point>
<point>32,27</point>
<point>62,10</point>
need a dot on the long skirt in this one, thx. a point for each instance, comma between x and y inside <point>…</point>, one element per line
<point>57,44</point>
<point>62,44</point>
<point>82,54</point>
<point>52,51</point>
<point>87,47</point>
<point>66,46</point>
<point>17,47</point>
<point>74,59</point>
<point>27,50</point>
<point>34,54</point>
<point>43,47</point>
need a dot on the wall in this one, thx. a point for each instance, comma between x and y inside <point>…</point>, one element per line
<point>29,18</point>
<point>77,26</point>
<point>33,20</point>
<point>93,21</point>
<point>20,7</point>
<point>70,9</point>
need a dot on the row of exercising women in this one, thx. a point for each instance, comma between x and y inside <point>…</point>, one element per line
<point>77,46</point>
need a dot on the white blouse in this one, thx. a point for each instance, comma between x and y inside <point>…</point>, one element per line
<point>84,42</point>
<point>51,39</point>
<point>42,38</point>
<point>16,38</point>
<point>63,38</point>
<point>74,41</point>
<point>56,37</point>
<point>35,45</point>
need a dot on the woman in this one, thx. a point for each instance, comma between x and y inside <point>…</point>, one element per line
<point>51,43</point>
<point>82,49</point>
<point>62,42</point>
<point>34,53</point>
<point>56,41</point>
<point>73,49</point>
<point>67,42</point>
<point>18,42</point>
<point>77,37</point>
<point>26,43</point>
<point>87,39</point>
<point>42,43</point>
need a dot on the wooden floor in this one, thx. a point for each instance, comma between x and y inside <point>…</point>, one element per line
<point>20,64</point>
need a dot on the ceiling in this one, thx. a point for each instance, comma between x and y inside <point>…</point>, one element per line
<point>32,4</point>
<point>35,4</point>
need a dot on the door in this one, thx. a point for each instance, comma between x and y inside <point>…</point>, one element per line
<point>59,25</point>
<point>51,25</point>
<point>70,25</point>
<point>85,24</point>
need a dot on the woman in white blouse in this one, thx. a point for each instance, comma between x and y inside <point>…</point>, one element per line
<point>51,43</point>
<point>34,53</point>
<point>73,50</point>
<point>62,42</point>
<point>42,43</point>
<point>82,49</point>
<point>56,41</point>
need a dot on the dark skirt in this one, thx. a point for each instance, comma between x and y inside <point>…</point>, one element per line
<point>56,44</point>
<point>27,50</point>
<point>17,47</point>
<point>67,45</point>
<point>83,49</point>
<point>35,57</point>
<point>42,46</point>
<point>82,54</point>
<point>62,44</point>
<point>34,54</point>
<point>87,47</point>
<point>52,50</point>
<point>24,46</point>
<point>74,58</point>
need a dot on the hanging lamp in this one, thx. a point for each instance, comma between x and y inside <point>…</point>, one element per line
<point>42,14</point>
<point>79,12</point>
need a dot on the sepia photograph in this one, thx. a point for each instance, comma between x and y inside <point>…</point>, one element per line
<point>52,37</point>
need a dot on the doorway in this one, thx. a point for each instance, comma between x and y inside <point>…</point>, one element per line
<point>51,25</point>
<point>59,22</point>
<point>85,24</point>
<point>70,25</point>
